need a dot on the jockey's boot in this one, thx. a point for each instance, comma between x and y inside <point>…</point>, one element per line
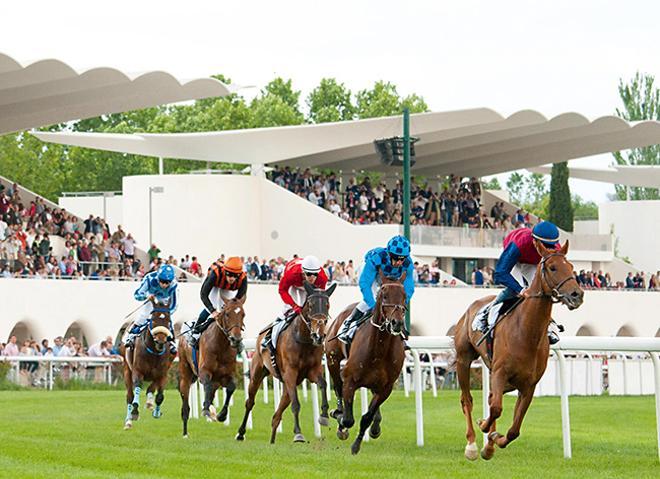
<point>356,316</point>
<point>197,330</point>
<point>553,330</point>
<point>129,342</point>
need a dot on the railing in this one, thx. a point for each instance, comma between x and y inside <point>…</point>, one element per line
<point>463,237</point>
<point>47,367</point>
<point>78,194</point>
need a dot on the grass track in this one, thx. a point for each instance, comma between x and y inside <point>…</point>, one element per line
<point>79,434</point>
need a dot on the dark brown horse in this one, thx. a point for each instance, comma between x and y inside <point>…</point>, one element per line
<point>216,361</point>
<point>149,360</point>
<point>299,353</point>
<point>520,349</point>
<point>374,362</point>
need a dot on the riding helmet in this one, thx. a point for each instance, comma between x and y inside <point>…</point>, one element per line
<point>166,273</point>
<point>311,264</point>
<point>546,232</point>
<point>399,246</point>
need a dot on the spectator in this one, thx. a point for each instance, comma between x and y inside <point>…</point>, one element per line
<point>11,348</point>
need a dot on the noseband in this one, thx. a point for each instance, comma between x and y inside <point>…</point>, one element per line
<point>555,294</point>
<point>387,324</point>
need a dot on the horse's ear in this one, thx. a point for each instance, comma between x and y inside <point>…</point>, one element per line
<point>331,289</point>
<point>403,277</point>
<point>541,249</point>
<point>241,301</point>
<point>564,249</point>
<point>308,287</point>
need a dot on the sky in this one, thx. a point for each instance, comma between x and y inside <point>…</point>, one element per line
<point>550,56</point>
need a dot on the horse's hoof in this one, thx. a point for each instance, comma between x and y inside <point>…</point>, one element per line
<point>222,417</point>
<point>472,452</point>
<point>128,425</point>
<point>355,448</point>
<point>185,436</point>
<point>299,438</point>
<point>240,437</point>
<point>323,421</point>
<point>214,413</point>
<point>374,433</point>
<point>487,453</point>
<point>481,423</point>
<point>149,404</point>
<point>134,417</point>
<point>342,434</point>
<point>336,414</point>
<point>156,414</point>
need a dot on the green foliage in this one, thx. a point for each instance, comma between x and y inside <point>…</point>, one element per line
<point>584,210</point>
<point>383,100</point>
<point>641,101</point>
<point>529,192</point>
<point>330,101</point>
<point>560,209</point>
<point>492,184</point>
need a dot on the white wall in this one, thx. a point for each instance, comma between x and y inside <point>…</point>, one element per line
<point>586,227</point>
<point>636,224</point>
<point>83,206</point>
<point>49,307</point>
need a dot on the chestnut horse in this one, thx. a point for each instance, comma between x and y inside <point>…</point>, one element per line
<point>298,356</point>
<point>149,360</point>
<point>375,359</point>
<point>216,361</point>
<point>520,349</point>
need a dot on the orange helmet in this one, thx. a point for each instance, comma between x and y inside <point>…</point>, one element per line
<point>234,265</point>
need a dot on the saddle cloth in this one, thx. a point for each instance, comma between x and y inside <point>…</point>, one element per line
<point>350,334</point>
<point>493,313</point>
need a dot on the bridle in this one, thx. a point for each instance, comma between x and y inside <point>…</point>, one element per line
<point>555,295</point>
<point>388,324</point>
<point>320,312</point>
<point>221,324</point>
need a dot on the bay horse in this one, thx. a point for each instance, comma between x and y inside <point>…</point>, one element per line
<point>520,349</point>
<point>216,361</point>
<point>298,357</point>
<point>375,359</point>
<point>149,360</point>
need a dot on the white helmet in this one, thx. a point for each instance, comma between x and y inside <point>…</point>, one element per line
<point>311,264</point>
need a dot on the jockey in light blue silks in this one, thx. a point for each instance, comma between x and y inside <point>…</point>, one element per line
<point>160,286</point>
<point>516,268</point>
<point>393,261</point>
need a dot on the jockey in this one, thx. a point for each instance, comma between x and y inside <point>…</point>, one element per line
<point>160,286</point>
<point>520,257</point>
<point>223,282</point>
<point>292,292</point>
<point>393,261</point>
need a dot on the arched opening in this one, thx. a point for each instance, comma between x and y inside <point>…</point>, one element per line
<point>584,331</point>
<point>452,331</point>
<point>626,331</point>
<point>76,330</point>
<point>22,332</point>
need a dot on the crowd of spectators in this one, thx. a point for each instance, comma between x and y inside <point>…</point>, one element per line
<point>458,204</point>
<point>34,373</point>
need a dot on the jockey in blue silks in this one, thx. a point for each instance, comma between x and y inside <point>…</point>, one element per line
<point>161,286</point>
<point>518,263</point>
<point>393,261</point>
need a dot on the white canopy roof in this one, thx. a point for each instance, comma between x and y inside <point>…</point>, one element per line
<point>476,142</point>
<point>645,176</point>
<point>50,91</point>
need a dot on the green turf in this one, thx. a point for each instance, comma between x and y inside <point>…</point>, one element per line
<point>79,434</point>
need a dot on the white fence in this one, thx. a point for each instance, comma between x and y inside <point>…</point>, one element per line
<point>577,375</point>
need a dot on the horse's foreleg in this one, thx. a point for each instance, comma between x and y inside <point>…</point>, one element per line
<point>522,404</point>
<point>257,376</point>
<point>337,384</point>
<point>160,397</point>
<point>377,399</point>
<point>374,432</point>
<point>137,390</point>
<point>210,388</point>
<point>185,380</point>
<point>149,404</point>
<point>495,406</point>
<point>231,387</point>
<point>128,381</point>
<point>292,391</point>
<point>347,420</point>
<point>323,385</point>
<point>463,373</point>
<point>277,417</point>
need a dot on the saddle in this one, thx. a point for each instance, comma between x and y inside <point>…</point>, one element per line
<point>350,334</point>
<point>268,343</point>
<point>508,305</point>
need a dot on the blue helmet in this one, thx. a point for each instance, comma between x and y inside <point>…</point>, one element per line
<point>399,246</point>
<point>546,232</point>
<point>166,273</point>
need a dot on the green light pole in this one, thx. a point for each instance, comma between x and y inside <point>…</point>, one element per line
<point>406,186</point>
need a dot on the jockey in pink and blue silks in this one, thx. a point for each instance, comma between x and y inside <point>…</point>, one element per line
<point>518,263</point>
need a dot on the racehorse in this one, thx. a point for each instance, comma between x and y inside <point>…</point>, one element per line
<point>375,359</point>
<point>216,361</point>
<point>298,357</point>
<point>520,349</point>
<point>149,360</point>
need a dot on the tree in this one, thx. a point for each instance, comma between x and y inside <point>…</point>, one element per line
<point>584,210</point>
<point>330,101</point>
<point>492,184</point>
<point>284,90</point>
<point>383,100</point>
<point>560,209</point>
<point>641,101</point>
<point>515,185</point>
